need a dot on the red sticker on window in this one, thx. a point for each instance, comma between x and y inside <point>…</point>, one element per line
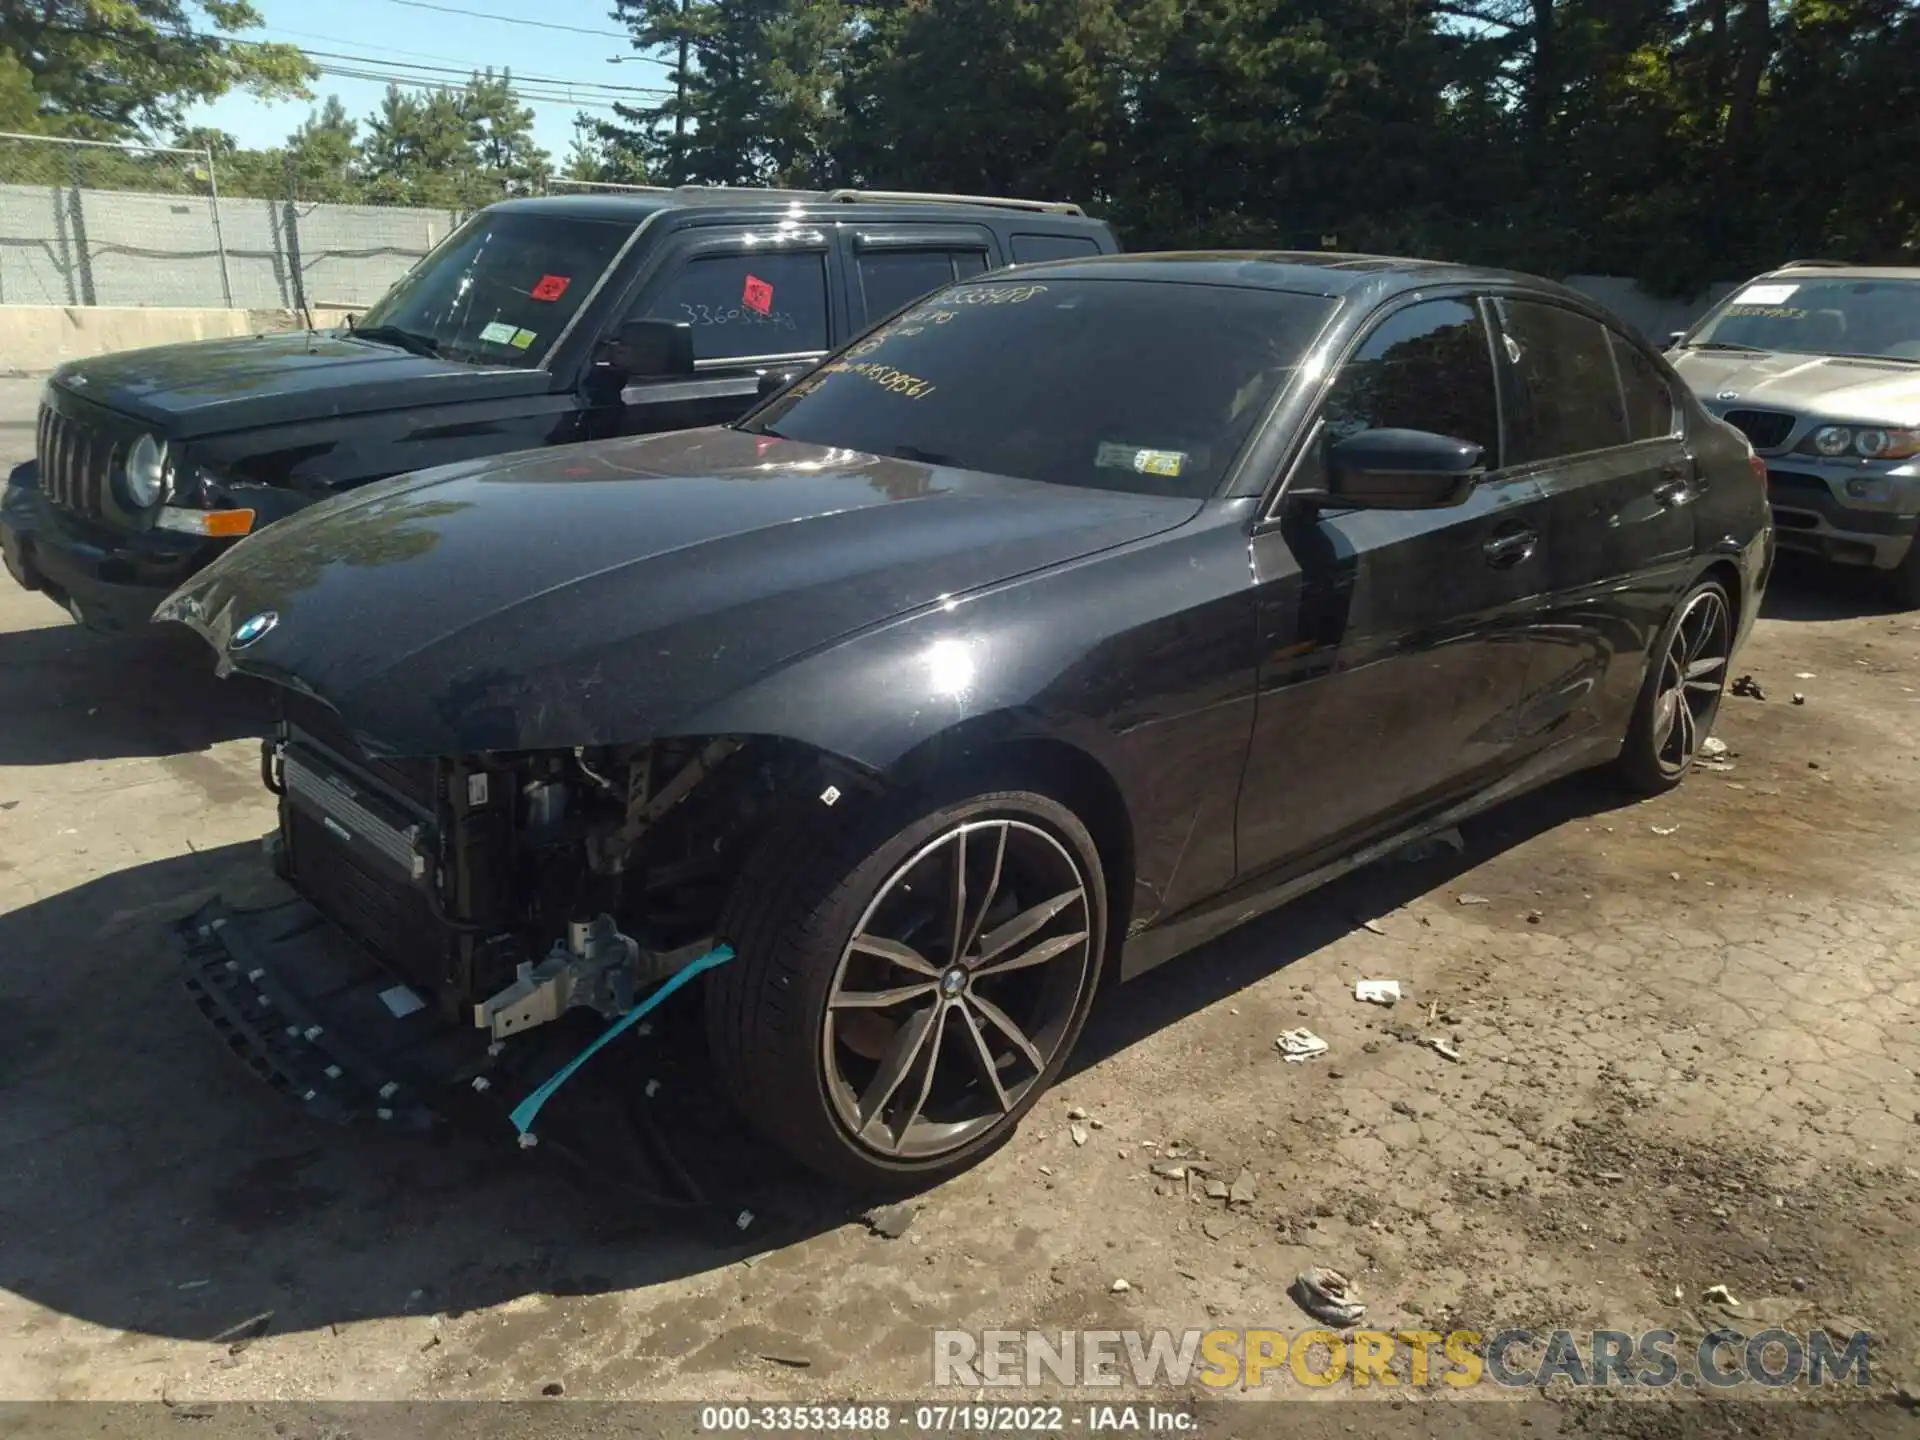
<point>552,287</point>
<point>757,296</point>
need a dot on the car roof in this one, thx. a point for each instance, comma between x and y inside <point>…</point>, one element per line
<point>1308,272</point>
<point>717,201</point>
<point>1831,270</point>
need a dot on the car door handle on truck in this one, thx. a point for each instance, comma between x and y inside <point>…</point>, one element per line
<point>1510,547</point>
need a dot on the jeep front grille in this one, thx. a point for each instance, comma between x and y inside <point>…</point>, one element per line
<point>76,462</point>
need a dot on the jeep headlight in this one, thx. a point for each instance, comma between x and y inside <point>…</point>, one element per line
<point>1832,440</point>
<point>148,475</point>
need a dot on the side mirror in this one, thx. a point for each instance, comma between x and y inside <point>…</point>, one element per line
<point>646,350</point>
<point>1401,470</point>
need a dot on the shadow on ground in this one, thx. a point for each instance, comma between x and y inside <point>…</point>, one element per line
<point>68,694</point>
<point>170,1193</point>
<point>1802,588</point>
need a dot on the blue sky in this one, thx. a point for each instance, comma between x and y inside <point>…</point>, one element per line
<point>397,34</point>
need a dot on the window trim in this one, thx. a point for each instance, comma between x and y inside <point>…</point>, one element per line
<point>1272,511</point>
<point>743,245</point>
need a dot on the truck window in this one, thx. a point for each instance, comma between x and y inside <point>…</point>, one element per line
<point>890,279</point>
<point>1030,249</point>
<point>746,305</point>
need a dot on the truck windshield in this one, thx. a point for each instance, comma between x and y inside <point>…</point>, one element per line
<point>498,291</point>
<point>1836,316</point>
<point>1146,386</point>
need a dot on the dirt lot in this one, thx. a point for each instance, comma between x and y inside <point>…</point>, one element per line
<point>1687,1058</point>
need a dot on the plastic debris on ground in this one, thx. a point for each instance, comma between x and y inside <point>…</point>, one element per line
<point>1468,898</point>
<point>1329,1296</point>
<point>890,1222</point>
<point>1377,992</point>
<point>1297,1045</point>
<point>1719,1295</point>
<point>1663,829</point>
<point>1444,1048</point>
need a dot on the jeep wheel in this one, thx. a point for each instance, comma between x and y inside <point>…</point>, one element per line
<point>906,987</point>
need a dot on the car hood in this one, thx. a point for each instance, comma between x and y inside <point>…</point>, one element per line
<point>597,594</point>
<point>213,386</point>
<point>1830,386</point>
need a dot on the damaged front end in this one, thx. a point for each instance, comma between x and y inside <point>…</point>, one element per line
<point>447,907</point>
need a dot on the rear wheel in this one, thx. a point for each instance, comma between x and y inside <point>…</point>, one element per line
<point>1682,692</point>
<point>906,987</point>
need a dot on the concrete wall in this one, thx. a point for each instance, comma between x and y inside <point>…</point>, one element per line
<point>36,338</point>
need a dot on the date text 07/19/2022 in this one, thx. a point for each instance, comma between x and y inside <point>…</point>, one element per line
<point>963,1419</point>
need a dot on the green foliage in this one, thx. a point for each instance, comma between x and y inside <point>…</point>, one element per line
<point>1679,141</point>
<point>108,69</point>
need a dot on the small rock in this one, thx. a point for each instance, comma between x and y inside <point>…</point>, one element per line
<point>553,1387</point>
<point>1714,748</point>
<point>1813,764</point>
<point>1749,688</point>
<point>1046,1170</point>
<point>1216,1189</point>
<point>1097,1123</point>
<point>1078,1134</point>
<point>1663,829</point>
<point>1119,1287</point>
<point>1798,698</point>
<point>1076,1113</point>
<point>1401,1107</point>
<point>1241,1192</point>
<point>1443,1048</point>
<point>890,1222</point>
<point>1533,917</point>
<point>1798,1283</point>
<point>1169,1172</point>
<point>792,1362</point>
<point>1468,898</point>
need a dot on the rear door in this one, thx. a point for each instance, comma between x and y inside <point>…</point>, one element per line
<point>1394,642</point>
<point>892,265</point>
<point>756,302</point>
<point>1590,420</point>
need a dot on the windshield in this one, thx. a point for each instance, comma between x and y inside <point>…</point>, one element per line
<point>1834,316</point>
<point>498,291</point>
<point>1138,385</point>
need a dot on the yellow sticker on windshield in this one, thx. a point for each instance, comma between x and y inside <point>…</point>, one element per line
<point>522,339</point>
<point>1167,463</point>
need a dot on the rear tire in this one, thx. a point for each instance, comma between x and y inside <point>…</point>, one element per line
<point>1686,679</point>
<point>871,1028</point>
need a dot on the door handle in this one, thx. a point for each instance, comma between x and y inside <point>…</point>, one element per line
<point>1510,548</point>
<point>1680,482</point>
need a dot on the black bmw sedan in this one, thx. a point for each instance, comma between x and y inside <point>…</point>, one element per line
<point>1059,622</point>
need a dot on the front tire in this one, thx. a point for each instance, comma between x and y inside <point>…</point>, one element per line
<point>1682,693</point>
<point>907,983</point>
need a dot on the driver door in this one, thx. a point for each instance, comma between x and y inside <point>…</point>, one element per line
<point>1394,643</point>
<point>754,302</point>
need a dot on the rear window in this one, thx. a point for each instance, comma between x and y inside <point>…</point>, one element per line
<point>1566,397</point>
<point>1143,386</point>
<point>892,278</point>
<point>1032,249</point>
<point>1650,413</point>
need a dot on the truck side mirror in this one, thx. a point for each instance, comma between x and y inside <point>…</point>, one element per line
<point>646,350</point>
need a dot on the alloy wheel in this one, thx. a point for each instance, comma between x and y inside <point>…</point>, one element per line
<point>958,988</point>
<point>1693,674</point>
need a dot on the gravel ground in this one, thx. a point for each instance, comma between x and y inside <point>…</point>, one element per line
<point>1687,1058</point>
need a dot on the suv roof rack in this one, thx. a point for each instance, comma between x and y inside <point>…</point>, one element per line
<point>1816,264</point>
<point>1050,207</point>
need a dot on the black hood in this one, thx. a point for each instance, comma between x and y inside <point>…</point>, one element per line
<point>597,594</point>
<point>214,386</point>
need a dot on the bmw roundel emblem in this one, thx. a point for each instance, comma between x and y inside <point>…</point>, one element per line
<point>1728,395</point>
<point>252,628</point>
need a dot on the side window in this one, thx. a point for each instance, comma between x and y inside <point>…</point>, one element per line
<point>1650,411</point>
<point>1565,396</point>
<point>741,305</point>
<point>890,279</point>
<point>1426,367</point>
<point>1031,249</point>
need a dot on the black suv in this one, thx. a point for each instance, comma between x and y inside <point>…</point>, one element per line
<point>538,322</point>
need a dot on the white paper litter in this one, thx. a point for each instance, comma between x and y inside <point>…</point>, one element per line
<point>1297,1045</point>
<point>1377,992</point>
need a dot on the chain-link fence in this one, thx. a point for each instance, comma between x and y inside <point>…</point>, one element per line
<point>86,223</point>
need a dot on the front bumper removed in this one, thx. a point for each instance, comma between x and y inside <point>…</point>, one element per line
<point>308,1010</point>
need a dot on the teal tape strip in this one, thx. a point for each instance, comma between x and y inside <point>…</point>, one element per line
<point>524,1113</point>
